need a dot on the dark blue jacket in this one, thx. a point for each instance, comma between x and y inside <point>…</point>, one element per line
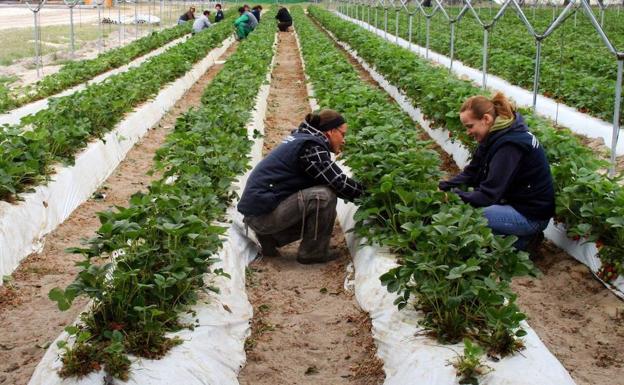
<point>278,176</point>
<point>219,16</point>
<point>509,167</point>
<point>256,13</point>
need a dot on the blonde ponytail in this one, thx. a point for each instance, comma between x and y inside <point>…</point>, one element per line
<point>498,105</point>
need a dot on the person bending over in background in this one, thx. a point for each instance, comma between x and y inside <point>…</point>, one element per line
<point>219,16</point>
<point>201,22</point>
<point>186,16</point>
<point>256,12</point>
<point>243,24</point>
<point>284,20</point>
<point>253,22</point>
<point>509,172</point>
<point>292,193</point>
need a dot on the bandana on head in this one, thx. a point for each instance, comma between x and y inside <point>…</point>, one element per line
<point>334,123</point>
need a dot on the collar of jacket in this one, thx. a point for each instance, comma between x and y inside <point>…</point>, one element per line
<point>305,128</point>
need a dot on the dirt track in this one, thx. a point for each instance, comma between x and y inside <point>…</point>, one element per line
<point>306,329</point>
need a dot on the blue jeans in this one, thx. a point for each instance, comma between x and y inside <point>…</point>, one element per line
<point>505,220</point>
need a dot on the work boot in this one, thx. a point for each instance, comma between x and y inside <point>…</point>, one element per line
<point>268,245</point>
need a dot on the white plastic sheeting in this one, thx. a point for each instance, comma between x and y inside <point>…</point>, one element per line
<point>213,353</point>
<point>566,116</point>
<point>416,359</point>
<point>412,359</point>
<point>14,116</point>
<point>583,251</point>
<point>24,225</point>
<point>142,19</point>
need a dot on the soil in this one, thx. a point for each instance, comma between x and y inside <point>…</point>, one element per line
<point>24,71</point>
<point>578,319</point>
<point>306,329</point>
<point>30,321</point>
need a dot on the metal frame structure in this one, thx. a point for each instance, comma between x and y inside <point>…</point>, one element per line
<point>72,38</point>
<point>37,33</point>
<point>572,7</point>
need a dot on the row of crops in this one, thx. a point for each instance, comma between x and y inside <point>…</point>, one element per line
<point>588,201</point>
<point>77,72</point>
<point>164,242</point>
<point>576,69</point>
<point>163,245</point>
<point>56,134</point>
<point>451,264</point>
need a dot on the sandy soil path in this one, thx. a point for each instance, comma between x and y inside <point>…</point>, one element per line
<point>306,328</point>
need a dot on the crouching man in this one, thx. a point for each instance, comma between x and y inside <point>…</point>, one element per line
<point>292,193</point>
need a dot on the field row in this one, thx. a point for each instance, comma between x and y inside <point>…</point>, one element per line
<point>579,71</point>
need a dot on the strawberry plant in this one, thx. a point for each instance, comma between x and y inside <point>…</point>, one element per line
<point>76,72</point>
<point>570,73</point>
<point>148,261</point>
<point>588,202</point>
<point>451,266</point>
<point>469,366</point>
<point>31,149</point>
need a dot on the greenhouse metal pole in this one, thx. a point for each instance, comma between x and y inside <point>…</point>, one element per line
<point>536,76</point>
<point>616,115</point>
<point>99,3</point>
<point>376,13</point>
<point>72,35</point>
<point>149,14</point>
<point>136,21</point>
<point>396,29</point>
<point>452,45</point>
<point>485,56</point>
<point>161,15</point>
<point>37,34</point>
<point>119,2</point>
<point>409,30</point>
<point>37,46</point>
<point>428,23</point>
<point>386,23</point>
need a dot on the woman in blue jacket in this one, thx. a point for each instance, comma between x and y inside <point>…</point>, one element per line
<point>509,172</point>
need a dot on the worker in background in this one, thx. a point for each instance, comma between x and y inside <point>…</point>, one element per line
<point>509,172</point>
<point>219,15</point>
<point>256,12</point>
<point>243,24</point>
<point>253,22</point>
<point>186,16</point>
<point>292,193</point>
<point>284,20</point>
<point>201,22</point>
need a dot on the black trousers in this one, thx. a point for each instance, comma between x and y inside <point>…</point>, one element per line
<point>283,25</point>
